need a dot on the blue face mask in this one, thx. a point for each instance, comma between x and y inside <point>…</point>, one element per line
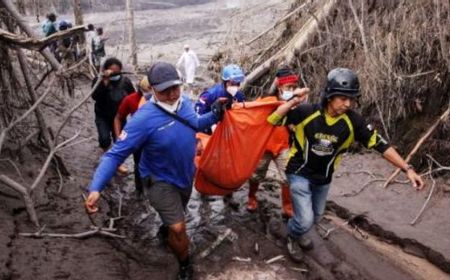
<point>115,78</point>
<point>287,94</point>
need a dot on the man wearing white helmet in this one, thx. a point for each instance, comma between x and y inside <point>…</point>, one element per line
<point>190,60</point>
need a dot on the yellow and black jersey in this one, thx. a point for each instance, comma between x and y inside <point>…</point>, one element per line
<point>320,140</point>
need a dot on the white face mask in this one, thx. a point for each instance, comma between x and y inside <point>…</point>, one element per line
<point>169,107</point>
<point>232,90</point>
<point>115,78</point>
<point>287,94</point>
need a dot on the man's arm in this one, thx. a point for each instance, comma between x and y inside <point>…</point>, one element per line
<point>369,137</point>
<point>203,104</point>
<point>180,60</point>
<point>133,136</point>
<point>395,159</point>
<point>300,96</point>
<point>206,121</point>
<point>117,125</point>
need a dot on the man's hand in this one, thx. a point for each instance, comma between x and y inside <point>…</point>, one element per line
<point>302,94</point>
<point>218,107</point>
<point>106,74</point>
<point>416,180</point>
<point>91,202</point>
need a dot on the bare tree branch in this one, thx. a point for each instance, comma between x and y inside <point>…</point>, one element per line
<point>33,43</point>
<point>11,8</point>
<point>278,22</point>
<point>24,115</point>
<point>419,143</point>
<point>29,204</point>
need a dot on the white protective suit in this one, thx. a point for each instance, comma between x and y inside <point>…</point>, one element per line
<point>190,64</point>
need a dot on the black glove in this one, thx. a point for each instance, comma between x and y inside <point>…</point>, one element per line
<point>218,108</point>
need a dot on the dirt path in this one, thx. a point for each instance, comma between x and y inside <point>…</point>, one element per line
<point>141,256</point>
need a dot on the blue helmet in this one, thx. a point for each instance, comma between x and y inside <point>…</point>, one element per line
<point>64,24</point>
<point>233,72</point>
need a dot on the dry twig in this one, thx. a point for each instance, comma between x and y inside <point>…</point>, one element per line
<point>413,222</point>
<point>419,143</point>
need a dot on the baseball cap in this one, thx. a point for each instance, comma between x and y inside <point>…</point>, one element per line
<point>163,75</point>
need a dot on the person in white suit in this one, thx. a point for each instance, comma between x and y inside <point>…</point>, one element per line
<point>191,62</point>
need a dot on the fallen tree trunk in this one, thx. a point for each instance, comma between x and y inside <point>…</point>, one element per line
<point>278,22</point>
<point>287,53</point>
<point>37,44</point>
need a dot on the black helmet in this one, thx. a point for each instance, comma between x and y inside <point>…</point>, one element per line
<point>342,81</point>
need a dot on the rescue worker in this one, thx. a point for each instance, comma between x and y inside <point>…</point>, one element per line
<point>232,77</point>
<point>191,62</point>
<point>108,96</point>
<point>278,145</point>
<point>50,27</point>
<point>323,133</point>
<point>98,48</point>
<point>128,107</point>
<point>164,128</point>
<point>90,34</point>
<point>66,47</point>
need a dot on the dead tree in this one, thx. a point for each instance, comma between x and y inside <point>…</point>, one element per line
<point>78,14</point>
<point>9,6</point>
<point>287,54</point>
<point>33,97</point>
<point>27,192</point>
<point>131,35</point>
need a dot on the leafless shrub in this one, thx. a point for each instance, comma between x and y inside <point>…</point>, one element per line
<point>400,50</point>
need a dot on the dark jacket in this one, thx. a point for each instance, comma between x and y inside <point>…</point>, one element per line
<point>108,98</point>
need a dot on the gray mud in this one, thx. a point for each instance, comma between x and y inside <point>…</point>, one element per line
<point>161,34</point>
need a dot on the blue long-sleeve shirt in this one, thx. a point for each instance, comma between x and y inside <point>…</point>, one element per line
<point>207,98</point>
<point>168,146</point>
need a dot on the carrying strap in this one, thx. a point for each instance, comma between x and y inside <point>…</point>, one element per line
<point>176,117</point>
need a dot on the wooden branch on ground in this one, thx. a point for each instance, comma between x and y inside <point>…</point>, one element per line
<point>287,53</point>
<point>278,22</point>
<point>419,143</point>
<point>81,235</point>
<point>37,44</point>
<point>228,234</point>
<point>413,222</point>
<point>29,203</point>
<point>14,166</point>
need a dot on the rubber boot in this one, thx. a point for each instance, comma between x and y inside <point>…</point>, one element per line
<point>286,203</point>
<point>252,203</point>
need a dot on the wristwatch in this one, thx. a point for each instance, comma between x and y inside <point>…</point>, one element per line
<point>408,167</point>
